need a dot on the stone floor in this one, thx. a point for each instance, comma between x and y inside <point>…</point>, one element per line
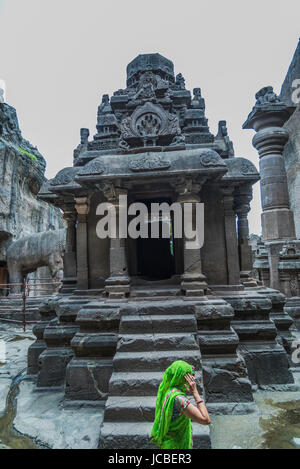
<point>46,423</point>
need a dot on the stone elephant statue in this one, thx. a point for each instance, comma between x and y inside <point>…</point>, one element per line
<point>27,254</point>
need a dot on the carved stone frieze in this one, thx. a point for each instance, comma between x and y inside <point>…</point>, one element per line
<point>149,163</point>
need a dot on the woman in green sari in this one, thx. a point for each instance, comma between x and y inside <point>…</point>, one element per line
<point>172,428</point>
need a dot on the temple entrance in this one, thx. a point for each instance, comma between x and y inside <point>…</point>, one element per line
<point>156,256</point>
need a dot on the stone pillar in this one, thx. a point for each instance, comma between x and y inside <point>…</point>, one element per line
<point>82,207</point>
<point>231,237</point>
<point>193,280</point>
<point>267,119</point>
<point>117,285</point>
<point>242,201</point>
<point>70,279</point>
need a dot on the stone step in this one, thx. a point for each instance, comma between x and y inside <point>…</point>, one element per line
<point>142,408</point>
<point>172,307</point>
<point>153,360</point>
<point>157,342</point>
<point>135,435</point>
<point>130,408</point>
<point>144,292</point>
<point>140,383</point>
<point>142,323</point>
<point>135,383</point>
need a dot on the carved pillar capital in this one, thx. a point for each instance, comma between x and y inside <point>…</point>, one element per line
<point>188,190</point>
<point>228,199</point>
<point>70,214</point>
<point>82,207</point>
<point>242,198</point>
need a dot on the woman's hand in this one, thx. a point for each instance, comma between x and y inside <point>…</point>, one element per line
<point>191,387</point>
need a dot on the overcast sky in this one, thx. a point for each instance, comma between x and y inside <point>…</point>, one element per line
<point>59,56</point>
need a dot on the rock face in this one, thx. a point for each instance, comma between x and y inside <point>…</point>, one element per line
<point>22,175</point>
<point>290,94</point>
<point>293,73</point>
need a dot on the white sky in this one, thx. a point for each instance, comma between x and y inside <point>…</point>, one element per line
<point>59,56</point>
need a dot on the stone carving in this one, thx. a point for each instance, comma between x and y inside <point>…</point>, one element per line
<point>180,82</point>
<point>123,146</point>
<point>148,163</point>
<point>64,177</point>
<point>198,102</point>
<point>211,158</point>
<point>294,285</point>
<point>178,140</point>
<point>266,100</point>
<point>149,120</point>
<point>248,168</point>
<point>102,145</point>
<point>290,250</point>
<point>84,136</point>
<point>22,178</point>
<point>266,96</point>
<point>39,249</point>
<point>94,167</point>
<point>102,265</point>
<point>146,86</point>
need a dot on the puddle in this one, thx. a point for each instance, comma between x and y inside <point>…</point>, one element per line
<point>282,430</point>
<point>9,437</point>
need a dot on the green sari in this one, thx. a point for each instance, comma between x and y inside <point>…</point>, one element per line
<point>168,434</point>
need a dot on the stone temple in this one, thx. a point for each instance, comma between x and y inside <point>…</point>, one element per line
<point>130,307</point>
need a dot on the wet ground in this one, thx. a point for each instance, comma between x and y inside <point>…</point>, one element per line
<point>39,420</point>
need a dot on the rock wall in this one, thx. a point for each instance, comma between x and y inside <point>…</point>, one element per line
<point>291,153</point>
<point>22,170</point>
<point>291,157</point>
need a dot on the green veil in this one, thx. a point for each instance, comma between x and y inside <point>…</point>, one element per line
<point>165,433</point>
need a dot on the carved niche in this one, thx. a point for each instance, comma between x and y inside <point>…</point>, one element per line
<point>149,121</point>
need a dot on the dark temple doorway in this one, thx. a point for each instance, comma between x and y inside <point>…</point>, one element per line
<point>156,256</point>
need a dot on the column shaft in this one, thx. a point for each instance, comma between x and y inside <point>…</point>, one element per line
<point>82,207</point>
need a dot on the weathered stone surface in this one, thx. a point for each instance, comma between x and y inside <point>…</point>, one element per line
<point>31,252</point>
<point>22,176</point>
<point>292,308</point>
<point>47,312</point>
<point>290,94</point>
<point>287,89</point>
<point>157,303</point>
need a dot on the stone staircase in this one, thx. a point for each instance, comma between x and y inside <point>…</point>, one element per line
<point>151,337</point>
<point>11,308</point>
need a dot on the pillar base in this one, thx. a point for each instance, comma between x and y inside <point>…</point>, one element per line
<point>117,287</point>
<point>277,224</point>
<point>87,379</point>
<point>194,284</point>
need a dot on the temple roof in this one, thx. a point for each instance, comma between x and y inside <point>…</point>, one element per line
<point>155,63</point>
